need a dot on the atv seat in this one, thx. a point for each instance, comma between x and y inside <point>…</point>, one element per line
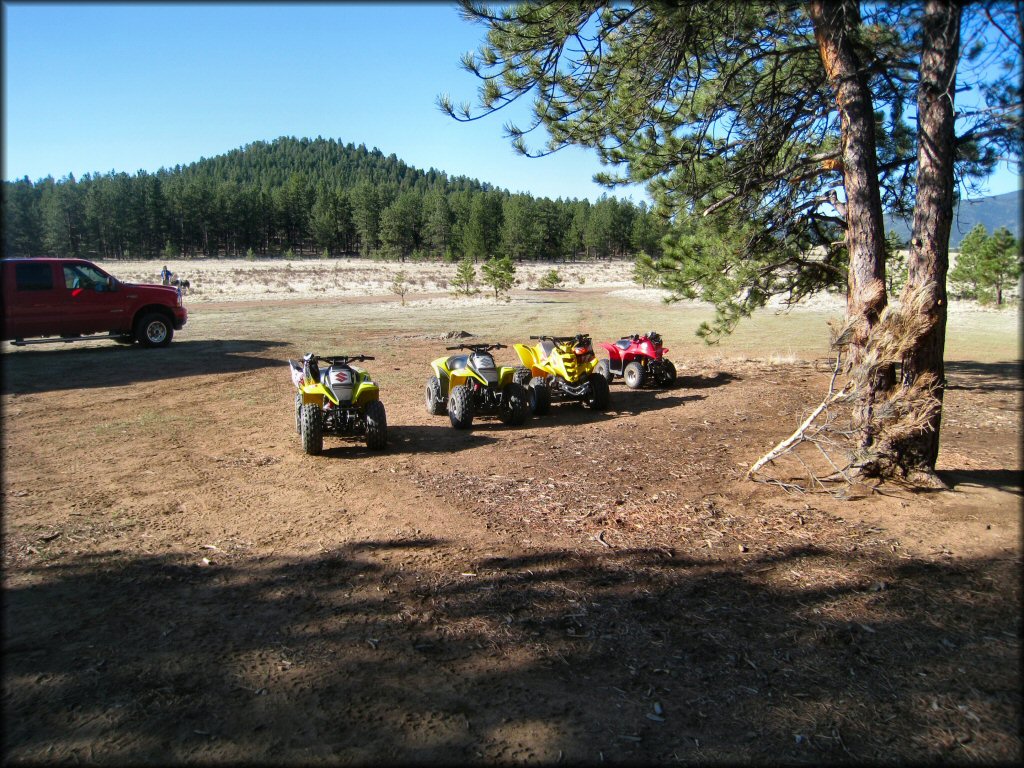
<point>547,347</point>
<point>623,343</point>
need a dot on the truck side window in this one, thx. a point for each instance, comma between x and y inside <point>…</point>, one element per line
<point>73,278</point>
<point>33,277</point>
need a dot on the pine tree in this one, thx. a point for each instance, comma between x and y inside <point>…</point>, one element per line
<point>464,282</point>
<point>500,275</point>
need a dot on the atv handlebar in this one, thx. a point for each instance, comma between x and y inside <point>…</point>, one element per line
<point>478,347</point>
<point>577,337</point>
<point>343,359</point>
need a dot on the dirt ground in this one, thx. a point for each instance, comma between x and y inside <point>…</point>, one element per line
<point>183,584</point>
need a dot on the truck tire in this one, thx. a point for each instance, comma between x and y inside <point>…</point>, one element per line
<point>599,395</point>
<point>634,375</point>
<point>432,396</point>
<point>460,407</point>
<point>515,404</point>
<point>312,429</point>
<point>153,329</point>
<point>376,426</point>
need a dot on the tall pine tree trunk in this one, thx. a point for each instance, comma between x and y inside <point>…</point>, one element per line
<point>933,213</point>
<point>835,24</point>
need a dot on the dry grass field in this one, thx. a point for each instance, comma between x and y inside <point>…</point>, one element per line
<point>183,584</point>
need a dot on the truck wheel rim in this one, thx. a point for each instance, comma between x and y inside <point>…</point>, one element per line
<point>156,332</point>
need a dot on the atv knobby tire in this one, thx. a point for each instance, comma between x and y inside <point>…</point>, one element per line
<point>667,373</point>
<point>634,375</point>
<point>599,394</point>
<point>522,376</point>
<point>515,404</point>
<point>540,396</point>
<point>376,425</point>
<point>460,407</point>
<point>432,396</point>
<point>604,368</point>
<point>312,429</point>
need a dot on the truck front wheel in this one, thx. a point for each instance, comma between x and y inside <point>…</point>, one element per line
<point>154,330</point>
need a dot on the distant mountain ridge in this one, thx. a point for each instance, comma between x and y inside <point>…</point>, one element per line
<point>993,212</point>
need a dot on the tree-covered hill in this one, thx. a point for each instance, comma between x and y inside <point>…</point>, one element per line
<point>310,196</point>
<point>991,212</point>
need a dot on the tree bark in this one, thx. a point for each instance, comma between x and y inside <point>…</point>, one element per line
<point>835,24</point>
<point>928,261</point>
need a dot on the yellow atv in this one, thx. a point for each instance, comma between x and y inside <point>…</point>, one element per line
<point>562,366</point>
<point>467,384</point>
<point>341,400</point>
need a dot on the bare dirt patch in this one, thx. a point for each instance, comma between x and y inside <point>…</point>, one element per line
<point>183,584</point>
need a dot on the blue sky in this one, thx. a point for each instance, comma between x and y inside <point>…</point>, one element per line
<point>125,87</point>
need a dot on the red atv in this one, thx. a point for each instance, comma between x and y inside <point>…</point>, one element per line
<point>638,359</point>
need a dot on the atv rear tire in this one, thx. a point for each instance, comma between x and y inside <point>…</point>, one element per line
<point>298,412</point>
<point>515,404</point>
<point>599,395</point>
<point>634,375</point>
<point>460,407</point>
<point>540,396</point>
<point>376,425</point>
<point>432,396</point>
<point>667,373</point>
<point>522,376</point>
<point>604,368</point>
<point>312,429</point>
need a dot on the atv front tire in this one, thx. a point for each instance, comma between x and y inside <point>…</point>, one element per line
<point>432,395</point>
<point>604,368</point>
<point>522,376</point>
<point>515,404</point>
<point>460,407</point>
<point>312,429</point>
<point>634,375</point>
<point>376,425</point>
<point>599,395</point>
<point>667,373</point>
<point>540,396</point>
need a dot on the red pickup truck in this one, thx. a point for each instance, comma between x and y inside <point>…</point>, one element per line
<point>73,299</point>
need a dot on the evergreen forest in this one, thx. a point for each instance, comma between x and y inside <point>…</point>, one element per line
<point>311,196</point>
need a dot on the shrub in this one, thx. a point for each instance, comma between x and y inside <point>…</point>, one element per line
<point>550,280</point>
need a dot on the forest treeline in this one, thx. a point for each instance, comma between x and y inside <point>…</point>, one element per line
<point>311,196</point>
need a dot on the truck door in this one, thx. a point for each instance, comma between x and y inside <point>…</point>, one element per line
<point>92,306</point>
<point>33,300</point>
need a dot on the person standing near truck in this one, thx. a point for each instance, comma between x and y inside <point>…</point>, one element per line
<point>165,275</point>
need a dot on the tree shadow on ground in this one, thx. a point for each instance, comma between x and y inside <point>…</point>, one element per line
<point>1000,479</point>
<point>432,438</point>
<point>704,382</point>
<point>359,654</point>
<point>49,370</point>
<point>1004,376</point>
<point>634,401</point>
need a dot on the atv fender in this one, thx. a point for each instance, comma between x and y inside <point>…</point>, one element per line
<point>313,394</point>
<point>505,374</point>
<point>529,359</point>
<point>365,392</point>
<point>614,353</point>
